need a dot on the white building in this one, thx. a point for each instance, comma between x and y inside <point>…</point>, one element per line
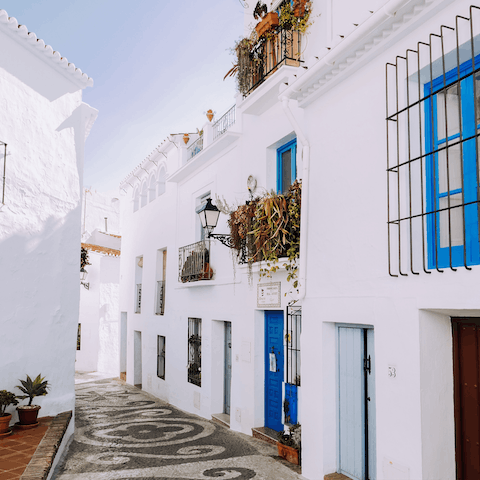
<point>388,275</point>
<point>98,329</point>
<point>44,124</point>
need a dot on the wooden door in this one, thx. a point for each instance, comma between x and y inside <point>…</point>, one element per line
<point>274,360</point>
<point>466,361</point>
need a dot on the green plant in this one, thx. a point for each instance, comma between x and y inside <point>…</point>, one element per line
<point>292,437</point>
<point>84,258</point>
<point>6,399</point>
<point>268,227</point>
<point>287,19</point>
<point>33,388</point>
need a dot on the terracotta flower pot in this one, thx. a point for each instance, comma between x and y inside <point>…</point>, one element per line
<point>210,115</point>
<point>27,415</point>
<point>186,137</point>
<point>4,422</point>
<point>270,20</point>
<point>299,8</point>
<point>290,454</point>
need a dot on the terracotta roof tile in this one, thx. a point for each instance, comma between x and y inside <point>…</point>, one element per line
<point>99,249</point>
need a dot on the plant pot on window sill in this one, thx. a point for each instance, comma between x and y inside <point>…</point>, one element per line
<point>299,8</point>
<point>290,454</point>
<point>268,22</point>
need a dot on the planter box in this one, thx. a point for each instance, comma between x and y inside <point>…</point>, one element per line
<point>290,454</point>
<point>269,21</point>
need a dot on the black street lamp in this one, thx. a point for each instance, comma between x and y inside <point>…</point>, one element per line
<point>83,277</point>
<point>209,214</point>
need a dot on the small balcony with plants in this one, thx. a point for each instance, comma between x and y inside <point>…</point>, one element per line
<point>275,41</point>
<point>194,262</point>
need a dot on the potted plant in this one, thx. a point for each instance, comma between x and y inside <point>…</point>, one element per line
<point>269,21</point>
<point>6,399</point>
<point>289,442</point>
<point>28,414</point>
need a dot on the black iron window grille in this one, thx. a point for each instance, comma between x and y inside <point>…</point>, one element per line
<point>138,298</point>
<point>292,342</point>
<point>160,304</point>
<point>194,262</point>
<point>161,343</point>
<point>224,123</point>
<point>195,351</point>
<point>79,336</point>
<point>3,146</point>
<point>282,47</point>
<point>433,117</point>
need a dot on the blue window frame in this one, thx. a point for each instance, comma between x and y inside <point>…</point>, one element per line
<point>286,165</point>
<point>452,167</point>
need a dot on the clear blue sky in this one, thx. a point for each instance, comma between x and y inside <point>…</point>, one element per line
<point>157,66</point>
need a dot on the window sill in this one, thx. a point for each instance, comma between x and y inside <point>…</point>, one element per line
<point>208,283</point>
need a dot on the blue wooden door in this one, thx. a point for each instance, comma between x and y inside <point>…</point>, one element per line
<point>274,359</point>
<point>357,442</point>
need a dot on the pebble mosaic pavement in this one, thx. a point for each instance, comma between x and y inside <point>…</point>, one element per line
<point>123,433</point>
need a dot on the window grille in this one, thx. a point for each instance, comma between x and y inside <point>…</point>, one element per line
<point>4,145</point>
<point>161,342</point>
<point>292,341</point>
<point>138,299</point>
<point>160,305</point>
<point>195,351</point>
<point>433,115</point>
<point>79,336</point>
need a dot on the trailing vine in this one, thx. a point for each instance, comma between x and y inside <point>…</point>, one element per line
<point>268,228</point>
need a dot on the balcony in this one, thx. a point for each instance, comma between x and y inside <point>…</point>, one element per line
<point>281,47</point>
<point>194,262</point>
<point>195,147</point>
<point>224,123</point>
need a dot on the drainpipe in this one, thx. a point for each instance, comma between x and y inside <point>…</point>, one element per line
<point>302,277</point>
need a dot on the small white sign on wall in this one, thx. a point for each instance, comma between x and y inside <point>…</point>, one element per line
<point>269,295</point>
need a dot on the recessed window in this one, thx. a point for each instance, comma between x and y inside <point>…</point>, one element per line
<point>138,284</point>
<point>161,343</point>
<point>161,274</point>
<point>195,351</point>
<point>286,166</point>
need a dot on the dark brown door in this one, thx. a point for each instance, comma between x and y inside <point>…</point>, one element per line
<point>466,368</point>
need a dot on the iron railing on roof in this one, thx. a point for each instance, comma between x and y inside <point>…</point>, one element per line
<point>281,48</point>
<point>138,298</point>
<point>224,123</point>
<point>160,304</point>
<point>194,262</point>
<point>195,147</point>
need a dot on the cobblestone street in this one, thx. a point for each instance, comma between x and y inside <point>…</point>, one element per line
<point>122,432</point>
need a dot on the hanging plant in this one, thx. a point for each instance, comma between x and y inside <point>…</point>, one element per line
<point>84,258</point>
<point>295,17</point>
<point>268,228</point>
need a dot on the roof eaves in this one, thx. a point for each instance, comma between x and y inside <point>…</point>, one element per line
<point>28,39</point>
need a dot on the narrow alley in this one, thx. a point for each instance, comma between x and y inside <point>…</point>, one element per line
<point>123,432</point>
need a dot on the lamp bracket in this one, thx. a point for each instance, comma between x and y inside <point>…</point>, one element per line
<point>227,240</point>
<point>86,285</point>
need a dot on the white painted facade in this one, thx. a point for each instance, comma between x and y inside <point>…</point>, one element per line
<point>44,124</point>
<point>336,110</point>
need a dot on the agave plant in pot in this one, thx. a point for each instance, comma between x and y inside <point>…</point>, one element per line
<point>27,414</point>
<point>6,399</point>
<point>289,443</point>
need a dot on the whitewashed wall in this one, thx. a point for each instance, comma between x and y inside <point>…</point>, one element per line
<point>44,124</point>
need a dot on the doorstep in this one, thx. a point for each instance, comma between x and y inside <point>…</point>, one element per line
<point>336,476</point>
<point>266,434</point>
<point>222,419</point>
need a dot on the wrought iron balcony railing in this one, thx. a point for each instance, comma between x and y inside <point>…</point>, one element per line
<point>195,147</point>
<point>224,123</point>
<point>283,47</point>
<point>194,262</point>
<point>160,304</point>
